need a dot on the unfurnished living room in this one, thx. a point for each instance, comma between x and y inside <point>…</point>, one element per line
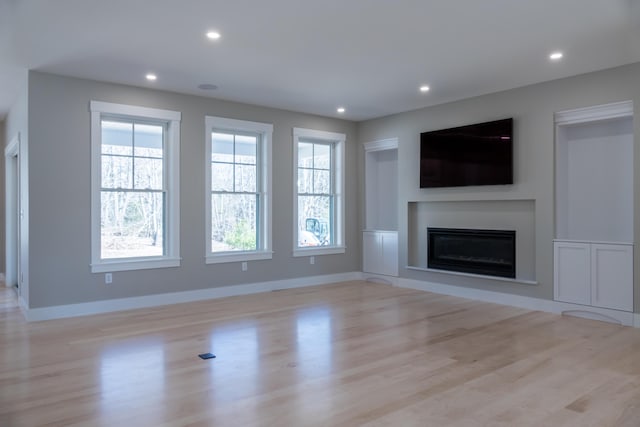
<point>328,213</point>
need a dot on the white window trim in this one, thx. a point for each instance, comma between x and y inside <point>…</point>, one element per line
<point>266,133</point>
<point>339,216</point>
<point>172,119</point>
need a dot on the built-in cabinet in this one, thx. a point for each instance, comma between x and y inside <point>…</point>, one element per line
<point>593,248</point>
<point>594,274</point>
<point>380,236</point>
<point>380,252</point>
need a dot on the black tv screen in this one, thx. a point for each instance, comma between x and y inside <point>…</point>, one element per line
<point>479,154</point>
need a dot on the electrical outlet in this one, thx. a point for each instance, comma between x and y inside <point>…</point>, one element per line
<point>108,278</point>
<point>244,266</point>
<point>312,260</point>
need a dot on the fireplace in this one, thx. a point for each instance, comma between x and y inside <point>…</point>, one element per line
<point>486,252</point>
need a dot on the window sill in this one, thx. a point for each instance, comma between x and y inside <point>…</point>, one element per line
<point>238,257</point>
<point>322,250</point>
<point>134,264</point>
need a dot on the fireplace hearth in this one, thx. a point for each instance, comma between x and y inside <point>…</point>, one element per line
<point>485,252</point>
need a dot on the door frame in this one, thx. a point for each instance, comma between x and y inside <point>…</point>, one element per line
<point>12,213</point>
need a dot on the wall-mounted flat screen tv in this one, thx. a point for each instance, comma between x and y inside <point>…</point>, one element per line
<point>479,154</point>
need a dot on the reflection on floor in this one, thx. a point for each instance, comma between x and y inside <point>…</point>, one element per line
<point>336,355</point>
<point>8,297</point>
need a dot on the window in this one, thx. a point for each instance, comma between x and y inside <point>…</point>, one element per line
<point>134,187</point>
<point>238,190</point>
<point>319,192</point>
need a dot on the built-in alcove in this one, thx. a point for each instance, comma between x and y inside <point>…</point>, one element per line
<point>380,234</point>
<point>594,180</point>
<point>381,189</point>
<point>516,216</point>
<point>593,248</point>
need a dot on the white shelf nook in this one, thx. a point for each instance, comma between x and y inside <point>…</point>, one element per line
<point>380,237</point>
<point>593,249</point>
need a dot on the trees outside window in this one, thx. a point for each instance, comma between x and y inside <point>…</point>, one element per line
<point>135,201</point>
<point>239,189</point>
<point>132,190</point>
<point>318,192</point>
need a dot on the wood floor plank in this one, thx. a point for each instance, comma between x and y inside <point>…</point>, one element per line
<point>346,354</point>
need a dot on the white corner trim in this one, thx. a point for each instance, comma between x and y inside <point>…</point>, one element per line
<point>381,145</point>
<point>134,264</point>
<point>529,303</point>
<point>12,148</point>
<point>318,250</point>
<point>318,134</point>
<point>134,110</point>
<point>106,306</point>
<point>597,112</point>
<point>220,258</point>
<point>23,306</point>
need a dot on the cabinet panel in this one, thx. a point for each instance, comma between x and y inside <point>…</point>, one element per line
<point>370,252</point>
<point>612,276</point>
<point>380,252</point>
<point>572,272</point>
<point>390,253</point>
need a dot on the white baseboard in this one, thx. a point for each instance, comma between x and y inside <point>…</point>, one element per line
<point>380,278</point>
<point>614,316</point>
<point>106,306</point>
<point>23,305</point>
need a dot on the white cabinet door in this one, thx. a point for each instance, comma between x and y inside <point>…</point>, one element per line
<point>612,276</point>
<point>380,252</point>
<point>390,253</point>
<point>572,272</point>
<point>370,252</point>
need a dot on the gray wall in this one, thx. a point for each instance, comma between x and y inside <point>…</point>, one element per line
<point>59,164</point>
<point>2,202</point>
<point>533,109</point>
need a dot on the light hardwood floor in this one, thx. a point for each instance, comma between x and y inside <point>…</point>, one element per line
<point>345,354</point>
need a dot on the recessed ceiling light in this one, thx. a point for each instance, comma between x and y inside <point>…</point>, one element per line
<point>151,77</point>
<point>341,110</point>
<point>213,35</point>
<point>556,56</point>
<point>424,88</point>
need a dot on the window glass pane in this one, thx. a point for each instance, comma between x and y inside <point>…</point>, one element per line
<point>246,147</point>
<point>322,156</point>
<point>117,138</point>
<point>305,155</point>
<point>321,182</point>
<point>221,177</point>
<point>148,174</point>
<point>132,224</point>
<point>117,171</point>
<point>148,140</point>
<point>245,178</point>
<point>233,222</point>
<point>221,147</point>
<point>305,181</point>
<point>314,221</point>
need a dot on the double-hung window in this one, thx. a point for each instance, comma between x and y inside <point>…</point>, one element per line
<point>134,187</point>
<point>238,190</point>
<point>319,192</point>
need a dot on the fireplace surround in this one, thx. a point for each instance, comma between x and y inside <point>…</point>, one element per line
<point>476,251</point>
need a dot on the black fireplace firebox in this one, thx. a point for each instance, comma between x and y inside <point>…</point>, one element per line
<point>486,252</point>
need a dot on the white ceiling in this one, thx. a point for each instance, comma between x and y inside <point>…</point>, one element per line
<point>369,56</point>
